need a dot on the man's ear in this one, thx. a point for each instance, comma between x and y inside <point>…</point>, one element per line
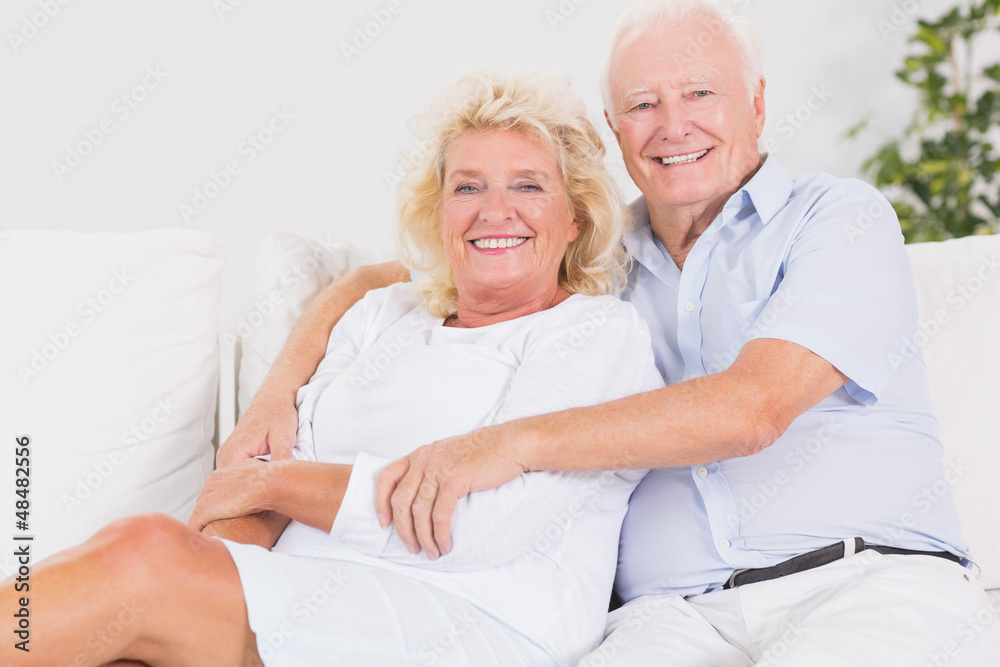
<point>758,107</point>
<point>618,136</point>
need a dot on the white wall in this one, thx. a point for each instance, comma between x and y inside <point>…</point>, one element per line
<point>222,68</point>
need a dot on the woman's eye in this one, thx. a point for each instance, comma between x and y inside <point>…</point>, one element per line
<point>465,189</point>
<point>529,187</point>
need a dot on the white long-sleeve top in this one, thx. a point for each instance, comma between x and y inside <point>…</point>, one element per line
<point>539,553</point>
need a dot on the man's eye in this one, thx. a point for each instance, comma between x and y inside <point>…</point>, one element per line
<point>642,106</point>
<point>702,93</point>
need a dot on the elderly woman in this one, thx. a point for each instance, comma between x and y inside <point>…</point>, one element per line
<point>515,228</point>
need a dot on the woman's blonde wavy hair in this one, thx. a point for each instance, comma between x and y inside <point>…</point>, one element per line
<point>538,102</point>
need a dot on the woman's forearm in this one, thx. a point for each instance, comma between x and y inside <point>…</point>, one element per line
<point>306,491</point>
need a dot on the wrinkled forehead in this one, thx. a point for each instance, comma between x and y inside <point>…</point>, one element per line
<point>532,140</point>
<point>688,50</point>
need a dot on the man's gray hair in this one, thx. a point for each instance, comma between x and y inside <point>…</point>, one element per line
<point>645,15</point>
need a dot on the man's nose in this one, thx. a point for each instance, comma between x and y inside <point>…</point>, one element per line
<point>674,121</point>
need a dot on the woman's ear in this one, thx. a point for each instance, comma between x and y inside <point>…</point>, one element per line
<point>575,228</point>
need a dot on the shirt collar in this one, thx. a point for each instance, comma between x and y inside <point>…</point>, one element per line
<point>768,191</point>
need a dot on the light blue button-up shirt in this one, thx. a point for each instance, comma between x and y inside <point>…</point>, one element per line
<point>819,262</point>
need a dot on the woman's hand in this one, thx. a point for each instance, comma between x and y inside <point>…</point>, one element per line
<point>268,426</point>
<point>239,490</point>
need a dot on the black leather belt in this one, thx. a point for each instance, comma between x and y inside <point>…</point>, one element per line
<point>829,554</point>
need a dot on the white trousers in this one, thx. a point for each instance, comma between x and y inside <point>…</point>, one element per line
<point>868,609</point>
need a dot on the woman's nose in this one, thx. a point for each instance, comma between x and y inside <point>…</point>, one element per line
<point>497,204</point>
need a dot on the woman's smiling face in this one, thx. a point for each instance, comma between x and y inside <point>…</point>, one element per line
<point>506,220</point>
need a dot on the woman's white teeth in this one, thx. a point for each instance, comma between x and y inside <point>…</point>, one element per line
<point>683,159</point>
<point>489,244</point>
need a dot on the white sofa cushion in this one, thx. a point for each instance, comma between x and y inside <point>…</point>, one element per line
<point>291,270</point>
<point>958,290</point>
<point>110,349</point>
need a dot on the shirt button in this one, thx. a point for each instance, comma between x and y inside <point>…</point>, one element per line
<point>725,544</point>
<point>689,306</point>
<point>703,472</point>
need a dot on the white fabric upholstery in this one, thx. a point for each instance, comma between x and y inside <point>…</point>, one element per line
<point>110,365</point>
<point>958,289</point>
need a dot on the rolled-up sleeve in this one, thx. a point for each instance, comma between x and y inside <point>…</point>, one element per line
<point>847,291</point>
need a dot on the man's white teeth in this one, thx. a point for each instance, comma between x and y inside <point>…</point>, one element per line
<point>489,244</point>
<point>684,159</point>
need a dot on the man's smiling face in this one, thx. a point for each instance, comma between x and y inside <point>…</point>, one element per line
<point>685,121</point>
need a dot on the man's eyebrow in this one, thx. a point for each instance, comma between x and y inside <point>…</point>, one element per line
<point>701,78</point>
<point>633,92</point>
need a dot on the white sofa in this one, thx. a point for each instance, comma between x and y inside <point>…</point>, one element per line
<point>111,365</point>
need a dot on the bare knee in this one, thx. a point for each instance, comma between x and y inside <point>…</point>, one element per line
<point>143,544</point>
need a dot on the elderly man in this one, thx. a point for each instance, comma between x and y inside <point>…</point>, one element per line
<point>786,519</point>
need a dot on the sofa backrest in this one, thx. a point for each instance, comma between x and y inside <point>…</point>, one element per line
<point>110,358</point>
<point>958,291</point>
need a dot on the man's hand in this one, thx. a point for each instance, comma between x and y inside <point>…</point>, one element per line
<point>268,426</point>
<point>418,492</point>
<point>237,491</point>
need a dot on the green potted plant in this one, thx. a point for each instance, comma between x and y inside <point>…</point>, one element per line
<point>943,174</point>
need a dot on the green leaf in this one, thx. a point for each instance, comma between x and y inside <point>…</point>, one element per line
<point>943,167</point>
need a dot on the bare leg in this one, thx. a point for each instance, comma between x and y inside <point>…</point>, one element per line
<point>146,589</point>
